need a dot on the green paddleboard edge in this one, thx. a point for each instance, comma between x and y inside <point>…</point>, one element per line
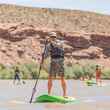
<point>54,99</point>
<point>90,82</point>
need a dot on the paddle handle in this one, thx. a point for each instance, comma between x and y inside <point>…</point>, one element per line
<point>34,89</point>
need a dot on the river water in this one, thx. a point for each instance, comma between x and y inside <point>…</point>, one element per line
<point>16,97</point>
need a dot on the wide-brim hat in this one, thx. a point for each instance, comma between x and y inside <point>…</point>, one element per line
<point>52,34</point>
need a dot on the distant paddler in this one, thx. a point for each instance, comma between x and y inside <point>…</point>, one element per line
<point>98,75</point>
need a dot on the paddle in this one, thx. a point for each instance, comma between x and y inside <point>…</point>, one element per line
<point>34,89</point>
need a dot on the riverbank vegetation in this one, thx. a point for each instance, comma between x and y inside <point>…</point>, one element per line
<point>72,71</point>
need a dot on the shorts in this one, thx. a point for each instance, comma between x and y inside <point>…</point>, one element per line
<point>98,76</point>
<point>57,67</point>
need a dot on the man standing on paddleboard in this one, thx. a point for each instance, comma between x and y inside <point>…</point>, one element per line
<point>55,50</point>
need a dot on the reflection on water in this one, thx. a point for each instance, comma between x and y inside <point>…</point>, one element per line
<point>3,108</point>
<point>54,106</point>
<point>98,98</point>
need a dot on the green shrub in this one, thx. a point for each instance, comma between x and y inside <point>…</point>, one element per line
<point>46,65</point>
<point>106,73</point>
<point>68,71</point>
<point>2,66</point>
<point>89,70</point>
<point>78,71</point>
<point>30,70</point>
<point>6,73</point>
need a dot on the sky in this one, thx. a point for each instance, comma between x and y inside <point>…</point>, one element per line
<point>99,6</point>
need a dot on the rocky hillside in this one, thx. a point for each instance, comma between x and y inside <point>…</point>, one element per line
<point>65,20</point>
<point>87,35</point>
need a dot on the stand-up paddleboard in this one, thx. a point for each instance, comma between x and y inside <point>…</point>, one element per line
<point>53,98</point>
<point>90,82</point>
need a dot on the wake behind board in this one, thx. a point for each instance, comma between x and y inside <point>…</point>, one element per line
<point>54,99</point>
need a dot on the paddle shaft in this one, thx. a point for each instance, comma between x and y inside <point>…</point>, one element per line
<point>34,89</point>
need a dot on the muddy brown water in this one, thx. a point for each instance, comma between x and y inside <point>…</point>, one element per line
<point>16,97</point>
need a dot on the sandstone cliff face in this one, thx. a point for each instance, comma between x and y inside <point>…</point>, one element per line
<point>16,45</point>
<point>87,35</point>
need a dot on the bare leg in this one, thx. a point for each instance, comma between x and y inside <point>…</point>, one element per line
<point>97,81</point>
<point>63,83</point>
<point>100,82</point>
<point>19,81</point>
<point>49,85</point>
